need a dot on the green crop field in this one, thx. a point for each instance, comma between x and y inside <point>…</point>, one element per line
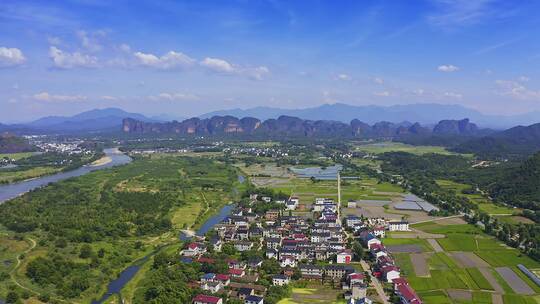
<point>382,147</point>
<point>16,156</point>
<point>479,279</point>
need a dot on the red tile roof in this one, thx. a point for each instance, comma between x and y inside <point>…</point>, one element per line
<point>223,277</point>
<point>408,294</point>
<point>400,281</point>
<point>236,271</point>
<point>206,299</point>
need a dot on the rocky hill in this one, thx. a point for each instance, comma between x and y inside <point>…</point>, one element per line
<point>295,127</point>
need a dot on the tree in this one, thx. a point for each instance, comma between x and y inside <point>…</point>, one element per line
<point>12,297</point>
<point>358,250</point>
<point>86,251</point>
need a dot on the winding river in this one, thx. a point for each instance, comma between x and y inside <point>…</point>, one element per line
<point>113,157</point>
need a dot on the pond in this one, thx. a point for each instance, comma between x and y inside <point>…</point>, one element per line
<point>328,173</point>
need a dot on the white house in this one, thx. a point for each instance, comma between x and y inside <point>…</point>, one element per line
<point>289,261</point>
<point>398,226</point>
<point>194,249</point>
<point>379,232</point>
<point>344,257</point>
<point>390,273</point>
<point>280,280</point>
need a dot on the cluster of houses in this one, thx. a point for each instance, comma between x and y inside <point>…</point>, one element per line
<point>370,232</point>
<point>312,249</point>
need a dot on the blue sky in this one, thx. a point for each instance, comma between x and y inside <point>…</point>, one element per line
<point>186,58</point>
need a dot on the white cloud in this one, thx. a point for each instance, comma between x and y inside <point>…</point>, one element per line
<point>67,60</point>
<point>453,95</point>
<point>524,79</point>
<point>54,40</point>
<point>448,68</point>
<point>224,67</point>
<point>11,57</point>
<point>124,47</point>
<point>257,73</point>
<point>173,97</point>
<point>455,13</point>
<point>378,80</point>
<point>343,77</point>
<point>517,90</point>
<point>45,96</point>
<point>171,60</point>
<point>91,41</point>
<point>382,94</point>
<point>419,92</point>
<point>218,65</point>
<point>109,98</point>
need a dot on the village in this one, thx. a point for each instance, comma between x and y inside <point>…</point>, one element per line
<point>262,240</point>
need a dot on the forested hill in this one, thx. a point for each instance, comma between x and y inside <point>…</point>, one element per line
<point>12,144</point>
<point>516,142</point>
<point>521,186</point>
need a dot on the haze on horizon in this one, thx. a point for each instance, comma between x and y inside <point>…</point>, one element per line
<point>186,58</point>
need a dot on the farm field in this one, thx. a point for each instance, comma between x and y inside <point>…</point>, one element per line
<point>16,156</point>
<point>314,293</point>
<point>279,179</point>
<point>472,268</point>
<point>383,147</point>
<point>483,203</point>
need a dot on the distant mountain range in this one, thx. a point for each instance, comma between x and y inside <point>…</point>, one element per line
<point>288,126</point>
<point>98,120</point>
<point>109,119</point>
<point>427,114</point>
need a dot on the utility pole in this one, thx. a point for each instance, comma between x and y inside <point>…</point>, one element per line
<point>339,195</point>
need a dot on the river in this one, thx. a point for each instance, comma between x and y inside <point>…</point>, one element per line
<point>116,286</point>
<point>10,191</point>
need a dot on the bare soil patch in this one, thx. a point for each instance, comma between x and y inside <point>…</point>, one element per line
<point>452,221</point>
<point>457,294</point>
<point>468,259</point>
<point>419,261</point>
<point>515,282</point>
<point>486,272</point>
<point>405,248</point>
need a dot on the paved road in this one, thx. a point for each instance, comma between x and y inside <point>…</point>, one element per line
<point>376,283</point>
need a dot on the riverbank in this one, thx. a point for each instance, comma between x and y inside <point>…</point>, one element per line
<point>12,190</point>
<point>102,161</point>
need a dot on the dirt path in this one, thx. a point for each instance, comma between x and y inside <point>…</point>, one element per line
<point>486,272</point>
<point>376,283</point>
<point>496,298</point>
<point>12,273</point>
<point>437,219</point>
<point>32,246</point>
<point>435,245</point>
